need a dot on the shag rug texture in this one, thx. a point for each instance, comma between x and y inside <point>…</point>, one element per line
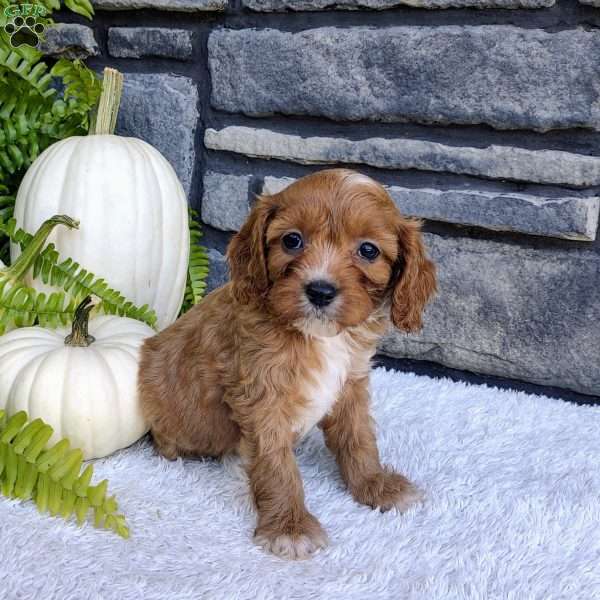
<point>512,511</point>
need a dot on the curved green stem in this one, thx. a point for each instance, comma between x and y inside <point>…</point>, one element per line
<point>108,108</point>
<point>20,267</point>
<point>79,332</point>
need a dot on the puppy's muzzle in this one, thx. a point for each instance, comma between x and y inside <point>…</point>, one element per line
<point>320,293</point>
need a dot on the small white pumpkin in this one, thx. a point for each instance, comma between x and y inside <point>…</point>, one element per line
<point>83,385</point>
<point>131,205</point>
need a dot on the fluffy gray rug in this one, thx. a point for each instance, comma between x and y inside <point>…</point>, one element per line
<point>512,512</point>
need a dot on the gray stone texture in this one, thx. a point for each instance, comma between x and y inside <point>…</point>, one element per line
<point>503,76</point>
<point>226,200</point>
<point>137,42</point>
<point>570,217</point>
<point>511,311</point>
<point>299,5</point>
<point>494,162</point>
<point>274,185</point>
<point>162,110</point>
<point>69,40</point>
<point>172,5</point>
<point>591,2</point>
<point>218,273</point>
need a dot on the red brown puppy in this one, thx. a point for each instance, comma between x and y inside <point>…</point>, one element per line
<point>318,272</point>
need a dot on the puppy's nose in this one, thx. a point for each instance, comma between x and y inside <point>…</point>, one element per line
<point>320,293</point>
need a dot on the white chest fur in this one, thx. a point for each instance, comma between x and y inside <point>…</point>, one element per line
<point>325,385</point>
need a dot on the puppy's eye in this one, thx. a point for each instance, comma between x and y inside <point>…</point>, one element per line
<point>368,251</point>
<point>292,241</point>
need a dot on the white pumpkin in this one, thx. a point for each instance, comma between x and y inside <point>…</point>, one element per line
<point>88,394</point>
<point>133,213</point>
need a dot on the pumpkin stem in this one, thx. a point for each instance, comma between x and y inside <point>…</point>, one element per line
<point>30,253</point>
<point>79,331</point>
<point>106,118</point>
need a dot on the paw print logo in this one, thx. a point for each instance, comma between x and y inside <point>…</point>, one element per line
<point>24,31</point>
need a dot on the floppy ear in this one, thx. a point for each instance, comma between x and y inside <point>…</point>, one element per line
<point>247,253</point>
<point>415,278</point>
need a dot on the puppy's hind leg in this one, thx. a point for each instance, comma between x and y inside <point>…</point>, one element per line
<point>201,427</point>
<point>165,446</point>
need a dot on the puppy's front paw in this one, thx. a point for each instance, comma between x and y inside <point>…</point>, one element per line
<point>387,490</point>
<point>292,541</point>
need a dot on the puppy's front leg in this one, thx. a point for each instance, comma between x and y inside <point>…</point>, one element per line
<point>285,527</point>
<point>349,434</point>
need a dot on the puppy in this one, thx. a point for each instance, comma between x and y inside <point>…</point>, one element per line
<point>318,272</point>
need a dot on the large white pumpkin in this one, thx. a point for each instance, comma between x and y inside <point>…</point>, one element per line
<point>133,212</point>
<point>87,394</point>
<point>131,206</point>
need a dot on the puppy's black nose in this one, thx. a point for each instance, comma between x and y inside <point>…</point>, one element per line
<point>320,293</point>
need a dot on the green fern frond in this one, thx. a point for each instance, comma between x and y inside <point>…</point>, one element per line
<point>198,265</point>
<point>22,306</point>
<point>22,127</point>
<point>52,477</point>
<point>82,89</point>
<point>7,206</point>
<point>20,106</point>
<point>32,115</point>
<point>81,7</point>
<point>79,282</point>
<point>81,84</point>
<point>72,278</point>
<point>36,75</point>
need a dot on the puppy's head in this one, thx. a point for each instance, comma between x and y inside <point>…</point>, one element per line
<point>327,252</point>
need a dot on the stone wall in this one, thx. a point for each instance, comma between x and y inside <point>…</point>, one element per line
<point>479,116</point>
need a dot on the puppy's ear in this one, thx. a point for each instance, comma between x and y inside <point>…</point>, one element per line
<point>247,253</point>
<point>414,279</point>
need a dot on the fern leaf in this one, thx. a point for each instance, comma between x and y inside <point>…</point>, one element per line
<point>32,116</point>
<point>198,265</point>
<point>51,476</point>
<point>18,303</point>
<point>7,205</point>
<point>72,278</point>
<point>22,306</point>
<point>81,7</point>
<point>82,87</point>
<point>36,75</point>
<point>79,282</point>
